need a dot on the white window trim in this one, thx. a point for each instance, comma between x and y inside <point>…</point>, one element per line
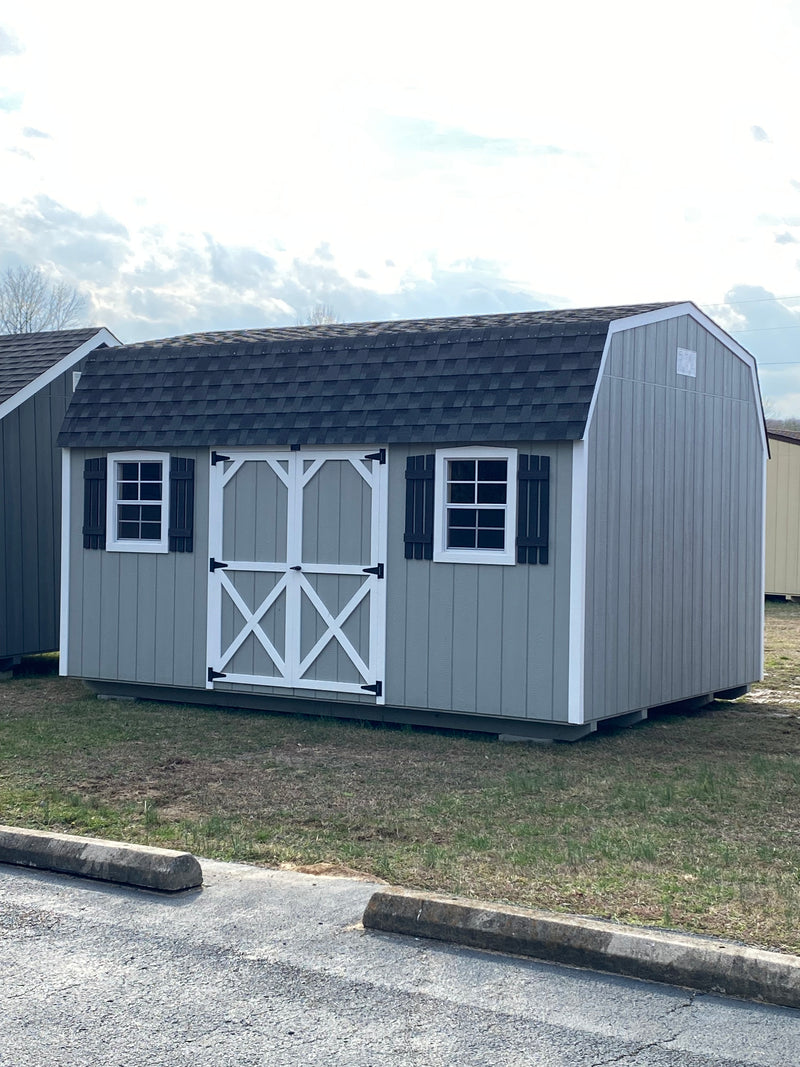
<point>115,544</point>
<point>442,554</point>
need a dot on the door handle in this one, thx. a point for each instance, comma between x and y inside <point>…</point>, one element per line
<point>297,568</point>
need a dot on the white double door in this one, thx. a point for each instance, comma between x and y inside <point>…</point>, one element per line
<point>296,576</point>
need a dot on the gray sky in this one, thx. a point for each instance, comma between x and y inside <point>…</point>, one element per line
<point>203,166</point>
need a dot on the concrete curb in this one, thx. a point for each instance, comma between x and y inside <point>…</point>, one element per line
<point>700,963</point>
<point>109,861</point>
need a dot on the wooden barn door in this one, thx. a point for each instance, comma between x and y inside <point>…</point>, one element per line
<point>296,574</point>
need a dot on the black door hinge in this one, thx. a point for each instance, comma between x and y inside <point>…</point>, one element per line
<point>374,570</point>
<point>217,457</point>
<point>380,455</point>
<point>213,564</point>
<point>377,689</point>
<point>213,675</point>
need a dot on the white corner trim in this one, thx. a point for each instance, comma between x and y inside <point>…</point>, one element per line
<point>63,626</point>
<point>103,336</point>
<point>577,585</point>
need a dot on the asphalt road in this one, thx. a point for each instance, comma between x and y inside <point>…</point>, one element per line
<point>273,968</point>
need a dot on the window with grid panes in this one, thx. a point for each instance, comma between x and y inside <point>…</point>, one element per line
<point>137,491</point>
<point>475,488</point>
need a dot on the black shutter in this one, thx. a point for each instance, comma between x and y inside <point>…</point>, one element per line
<point>94,503</point>
<point>181,505</point>
<point>418,537</point>
<point>533,511</point>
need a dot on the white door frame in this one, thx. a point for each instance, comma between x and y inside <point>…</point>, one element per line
<point>290,668</point>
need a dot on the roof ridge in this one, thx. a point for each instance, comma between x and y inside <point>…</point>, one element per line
<point>432,325</point>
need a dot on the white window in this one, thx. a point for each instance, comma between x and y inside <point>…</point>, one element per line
<point>137,502</point>
<point>476,510</point>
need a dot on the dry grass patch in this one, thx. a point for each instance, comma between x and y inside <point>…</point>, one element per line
<point>690,821</point>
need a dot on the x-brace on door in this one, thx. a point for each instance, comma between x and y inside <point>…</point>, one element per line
<point>296,587</point>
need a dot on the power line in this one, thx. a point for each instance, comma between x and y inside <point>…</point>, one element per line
<point>756,300</point>
<point>765,329</point>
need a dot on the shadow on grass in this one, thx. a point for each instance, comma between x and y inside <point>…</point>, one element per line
<point>37,666</point>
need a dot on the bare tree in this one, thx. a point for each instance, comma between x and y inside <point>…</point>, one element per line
<point>777,425</point>
<point>774,419</point>
<point>30,302</point>
<point>319,315</point>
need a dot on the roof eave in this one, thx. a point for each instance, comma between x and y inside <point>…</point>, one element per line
<point>101,337</point>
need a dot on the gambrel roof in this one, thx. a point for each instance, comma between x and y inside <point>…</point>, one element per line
<point>490,378</point>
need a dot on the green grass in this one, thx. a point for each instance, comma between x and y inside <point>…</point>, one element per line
<point>690,821</point>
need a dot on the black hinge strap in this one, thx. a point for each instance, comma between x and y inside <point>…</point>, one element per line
<point>217,457</point>
<point>374,570</point>
<point>213,675</point>
<point>380,455</point>
<point>377,689</point>
<point>213,564</point>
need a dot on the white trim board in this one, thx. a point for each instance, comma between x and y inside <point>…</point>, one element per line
<point>577,586</point>
<point>103,336</point>
<point>66,511</point>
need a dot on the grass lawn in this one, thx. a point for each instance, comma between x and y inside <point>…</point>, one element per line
<point>689,821</point>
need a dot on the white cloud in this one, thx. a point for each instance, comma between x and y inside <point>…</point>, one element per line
<point>582,153</point>
<point>9,45</point>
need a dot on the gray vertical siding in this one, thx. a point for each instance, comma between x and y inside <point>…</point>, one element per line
<point>138,617</point>
<point>489,640</point>
<point>674,523</point>
<point>479,639</point>
<point>30,535</point>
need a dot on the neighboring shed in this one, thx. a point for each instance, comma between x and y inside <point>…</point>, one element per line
<point>783,514</point>
<point>36,382</point>
<point>523,523</point>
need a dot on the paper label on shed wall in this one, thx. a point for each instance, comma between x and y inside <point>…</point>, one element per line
<point>687,362</point>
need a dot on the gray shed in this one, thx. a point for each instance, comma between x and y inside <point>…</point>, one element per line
<point>524,523</point>
<point>36,379</point>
